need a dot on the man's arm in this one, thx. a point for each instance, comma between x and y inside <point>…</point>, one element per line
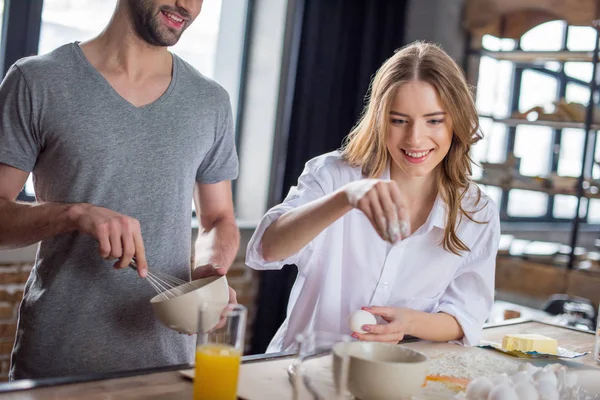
<point>214,207</point>
<point>22,224</point>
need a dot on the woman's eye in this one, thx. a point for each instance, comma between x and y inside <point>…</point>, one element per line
<point>436,121</point>
<point>399,121</point>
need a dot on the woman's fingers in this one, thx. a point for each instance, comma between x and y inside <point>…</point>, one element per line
<point>393,337</point>
<point>390,211</point>
<point>381,201</point>
<point>378,217</point>
<point>402,211</point>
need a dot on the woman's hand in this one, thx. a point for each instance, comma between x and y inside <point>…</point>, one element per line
<point>382,203</point>
<point>398,324</point>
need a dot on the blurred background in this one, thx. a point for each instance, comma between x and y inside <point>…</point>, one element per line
<point>297,72</point>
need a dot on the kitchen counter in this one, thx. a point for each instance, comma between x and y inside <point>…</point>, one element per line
<point>169,384</point>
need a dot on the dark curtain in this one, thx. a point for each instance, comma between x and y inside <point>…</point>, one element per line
<point>342,45</point>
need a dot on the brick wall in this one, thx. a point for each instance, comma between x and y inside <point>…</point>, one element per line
<point>245,283</point>
<point>12,281</point>
<point>13,278</point>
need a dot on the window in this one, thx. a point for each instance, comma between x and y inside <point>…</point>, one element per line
<point>505,87</point>
<point>1,19</point>
<point>65,21</point>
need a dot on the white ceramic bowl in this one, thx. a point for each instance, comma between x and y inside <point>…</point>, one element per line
<point>381,371</point>
<point>180,313</point>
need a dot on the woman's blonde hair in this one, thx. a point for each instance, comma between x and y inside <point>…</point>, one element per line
<point>365,145</point>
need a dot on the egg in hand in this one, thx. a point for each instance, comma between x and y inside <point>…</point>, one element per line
<point>358,318</point>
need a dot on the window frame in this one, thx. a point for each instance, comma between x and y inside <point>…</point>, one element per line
<point>557,135</point>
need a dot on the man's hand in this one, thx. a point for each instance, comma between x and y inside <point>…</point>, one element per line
<point>119,236</point>
<point>398,324</point>
<point>206,271</point>
<point>232,296</point>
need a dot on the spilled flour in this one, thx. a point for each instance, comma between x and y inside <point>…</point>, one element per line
<point>470,366</point>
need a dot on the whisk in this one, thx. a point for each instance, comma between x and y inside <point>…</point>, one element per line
<point>166,286</point>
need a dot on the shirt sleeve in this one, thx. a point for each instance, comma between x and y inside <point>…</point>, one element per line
<point>221,162</point>
<point>19,142</point>
<point>313,183</point>
<point>470,295</point>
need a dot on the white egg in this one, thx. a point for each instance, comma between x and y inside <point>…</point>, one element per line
<point>358,318</point>
<point>561,377</point>
<point>529,368</point>
<point>504,391</point>
<point>501,379</point>
<point>479,388</point>
<point>546,375</point>
<point>571,380</point>
<point>546,390</point>
<point>520,377</point>
<point>526,391</point>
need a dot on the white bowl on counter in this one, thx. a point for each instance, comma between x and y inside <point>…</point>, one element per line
<point>381,371</point>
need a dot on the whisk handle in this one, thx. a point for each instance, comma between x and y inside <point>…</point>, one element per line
<point>133,264</point>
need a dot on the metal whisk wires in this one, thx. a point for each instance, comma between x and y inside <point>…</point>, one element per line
<point>165,285</point>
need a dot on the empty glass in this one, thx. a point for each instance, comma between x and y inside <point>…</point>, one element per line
<point>311,344</point>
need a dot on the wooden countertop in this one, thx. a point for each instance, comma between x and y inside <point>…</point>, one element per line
<point>168,384</point>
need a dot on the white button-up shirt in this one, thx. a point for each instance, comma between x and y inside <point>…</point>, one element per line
<point>348,266</point>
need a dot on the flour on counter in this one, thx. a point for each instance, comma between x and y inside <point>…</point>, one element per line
<point>470,366</point>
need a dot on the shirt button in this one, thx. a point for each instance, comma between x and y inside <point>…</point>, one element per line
<point>385,285</point>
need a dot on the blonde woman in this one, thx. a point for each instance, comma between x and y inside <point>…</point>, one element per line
<point>391,223</point>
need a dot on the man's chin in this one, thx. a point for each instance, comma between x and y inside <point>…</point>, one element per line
<point>168,40</point>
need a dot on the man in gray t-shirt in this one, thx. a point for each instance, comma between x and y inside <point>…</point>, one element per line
<point>120,135</point>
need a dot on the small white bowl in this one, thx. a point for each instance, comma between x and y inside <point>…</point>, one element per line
<point>180,313</point>
<point>381,371</point>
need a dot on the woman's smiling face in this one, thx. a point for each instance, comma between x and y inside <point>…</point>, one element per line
<point>419,131</point>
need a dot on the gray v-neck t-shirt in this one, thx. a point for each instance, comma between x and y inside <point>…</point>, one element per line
<point>61,120</point>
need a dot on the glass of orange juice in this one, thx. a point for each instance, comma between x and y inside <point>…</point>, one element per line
<point>219,348</point>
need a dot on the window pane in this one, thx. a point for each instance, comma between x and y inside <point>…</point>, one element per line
<point>546,36</point>
<point>494,192</point>
<point>537,90</point>
<point>68,21</point>
<point>493,43</point>
<point>492,148</point>
<point>564,206</point>
<point>198,45</point>
<point>581,38</point>
<point>533,145</point>
<point>525,203</point>
<point>552,66</point>
<point>1,19</point>
<point>571,151</point>
<point>577,93</point>
<point>579,70</point>
<point>493,87</point>
<point>594,212</point>
<point>596,170</point>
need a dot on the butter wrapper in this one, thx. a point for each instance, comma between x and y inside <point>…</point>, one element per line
<point>562,352</point>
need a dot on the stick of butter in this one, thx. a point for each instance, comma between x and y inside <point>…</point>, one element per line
<point>530,342</point>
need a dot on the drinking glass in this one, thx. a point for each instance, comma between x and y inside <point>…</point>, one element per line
<point>219,349</point>
<point>309,344</point>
